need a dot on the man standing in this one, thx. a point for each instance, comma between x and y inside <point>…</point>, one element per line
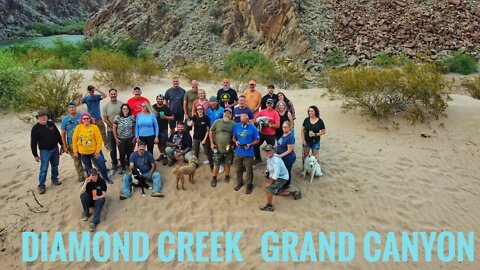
<point>144,161</point>
<point>179,145</point>
<point>245,136</point>
<point>253,96</point>
<point>242,109</point>
<point>135,102</point>
<point>69,122</point>
<point>110,110</point>
<point>46,136</point>
<point>174,98</point>
<point>221,143</point>
<point>277,176</point>
<point>92,194</point>
<point>267,133</point>
<point>269,95</point>
<point>227,97</point>
<point>188,100</point>
<point>163,114</point>
<point>93,107</point>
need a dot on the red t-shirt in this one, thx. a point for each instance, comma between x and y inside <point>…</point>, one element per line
<point>136,104</point>
<point>274,118</point>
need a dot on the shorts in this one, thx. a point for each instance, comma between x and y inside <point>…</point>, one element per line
<point>177,118</point>
<point>277,186</point>
<point>163,137</point>
<point>219,158</point>
<point>315,146</point>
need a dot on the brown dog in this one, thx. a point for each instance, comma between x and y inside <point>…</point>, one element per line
<point>189,170</point>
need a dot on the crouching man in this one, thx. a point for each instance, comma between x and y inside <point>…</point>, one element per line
<point>277,176</point>
<point>92,194</point>
<point>144,161</point>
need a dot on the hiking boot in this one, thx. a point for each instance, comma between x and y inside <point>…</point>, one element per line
<point>249,189</point>
<point>171,162</point>
<point>56,183</point>
<point>214,182</point>
<point>123,197</point>
<point>238,186</point>
<point>93,226</point>
<point>85,216</point>
<point>297,195</point>
<point>41,190</point>
<point>268,208</point>
<point>227,178</point>
<point>156,194</point>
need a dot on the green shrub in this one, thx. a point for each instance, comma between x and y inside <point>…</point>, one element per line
<point>463,63</point>
<point>417,91</point>
<point>70,53</point>
<point>215,28</point>
<point>383,60</point>
<point>95,42</point>
<point>45,29</point>
<point>288,75</point>
<point>473,87</point>
<point>198,71</point>
<point>335,58</point>
<point>13,79</point>
<point>243,64</point>
<point>146,67</point>
<point>128,45</point>
<point>113,69</point>
<point>51,91</point>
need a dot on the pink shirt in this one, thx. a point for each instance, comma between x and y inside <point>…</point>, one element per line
<point>205,104</point>
<point>274,119</point>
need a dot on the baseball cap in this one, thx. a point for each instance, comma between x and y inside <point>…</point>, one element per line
<point>270,100</point>
<point>213,98</point>
<point>141,144</point>
<point>160,95</point>
<point>71,104</point>
<point>252,82</point>
<point>228,110</point>
<point>41,112</point>
<point>93,171</point>
<point>268,147</point>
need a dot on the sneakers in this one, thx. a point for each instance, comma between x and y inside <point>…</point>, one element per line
<point>171,162</point>
<point>214,181</point>
<point>111,172</point>
<point>56,183</point>
<point>227,178</point>
<point>109,181</point>
<point>297,195</point>
<point>249,189</point>
<point>41,190</point>
<point>156,194</point>
<point>268,208</point>
<point>93,226</point>
<point>123,197</point>
<point>85,216</point>
<point>238,186</point>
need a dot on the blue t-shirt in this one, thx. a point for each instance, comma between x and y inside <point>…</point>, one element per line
<point>245,135</point>
<point>174,97</point>
<point>215,114</point>
<point>237,112</point>
<point>68,124</point>
<point>146,125</point>
<point>282,147</point>
<point>144,162</point>
<point>93,105</point>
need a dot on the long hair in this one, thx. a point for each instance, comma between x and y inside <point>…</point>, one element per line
<point>129,111</point>
<point>315,108</point>
<point>284,97</point>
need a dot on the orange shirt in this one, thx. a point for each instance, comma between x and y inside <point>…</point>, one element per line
<point>253,99</point>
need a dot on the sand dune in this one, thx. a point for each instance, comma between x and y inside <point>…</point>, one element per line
<point>375,178</point>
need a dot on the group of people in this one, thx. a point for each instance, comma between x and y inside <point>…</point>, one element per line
<point>230,128</point>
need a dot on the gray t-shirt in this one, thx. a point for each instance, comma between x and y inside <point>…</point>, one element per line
<point>110,110</point>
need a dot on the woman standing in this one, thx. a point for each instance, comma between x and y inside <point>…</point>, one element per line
<point>281,96</point>
<point>200,101</point>
<point>312,129</point>
<point>87,144</point>
<point>284,117</point>
<point>124,133</point>
<point>285,150</point>
<point>146,128</point>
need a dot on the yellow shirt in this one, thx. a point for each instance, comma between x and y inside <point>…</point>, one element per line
<point>254,99</point>
<point>87,140</point>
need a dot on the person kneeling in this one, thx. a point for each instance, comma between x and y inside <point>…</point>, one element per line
<point>277,175</point>
<point>92,194</point>
<point>145,162</point>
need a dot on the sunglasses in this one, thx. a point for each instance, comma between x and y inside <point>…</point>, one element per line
<point>199,109</point>
<point>86,118</point>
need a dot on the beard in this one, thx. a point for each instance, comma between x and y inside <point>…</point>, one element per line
<point>226,88</point>
<point>226,119</point>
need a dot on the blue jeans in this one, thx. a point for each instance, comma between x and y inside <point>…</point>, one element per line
<point>289,164</point>
<point>48,156</point>
<point>113,149</point>
<point>87,162</point>
<point>127,183</point>
<point>87,202</point>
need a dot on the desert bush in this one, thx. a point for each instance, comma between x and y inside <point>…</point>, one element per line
<point>473,87</point>
<point>215,28</point>
<point>13,79</point>
<point>288,75</point>
<point>383,60</point>
<point>113,69</point>
<point>95,42</point>
<point>128,46</point>
<point>247,60</point>
<point>147,66</point>
<point>198,71</point>
<point>463,63</point>
<point>335,58</point>
<point>52,91</point>
<point>417,91</point>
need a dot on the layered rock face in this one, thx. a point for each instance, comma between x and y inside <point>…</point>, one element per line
<point>16,14</point>
<point>302,31</point>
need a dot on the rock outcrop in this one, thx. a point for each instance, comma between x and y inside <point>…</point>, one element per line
<point>17,14</point>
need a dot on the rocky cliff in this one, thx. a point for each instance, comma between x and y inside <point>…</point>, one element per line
<point>303,31</point>
<point>17,14</point>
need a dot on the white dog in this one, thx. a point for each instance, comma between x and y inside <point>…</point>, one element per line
<point>312,167</point>
<point>262,121</point>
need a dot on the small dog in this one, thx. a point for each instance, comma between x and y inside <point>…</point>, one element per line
<point>188,169</point>
<point>139,180</point>
<point>262,121</point>
<point>312,167</point>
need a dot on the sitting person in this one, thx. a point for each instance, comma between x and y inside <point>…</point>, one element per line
<point>92,194</point>
<point>179,145</point>
<point>144,161</point>
<point>277,176</point>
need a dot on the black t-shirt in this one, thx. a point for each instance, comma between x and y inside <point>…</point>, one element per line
<point>200,125</point>
<point>162,123</point>
<point>319,125</point>
<point>264,100</point>
<point>283,118</point>
<point>100,186</point>
<point>229,96</point>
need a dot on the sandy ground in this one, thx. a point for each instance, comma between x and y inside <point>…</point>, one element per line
<point>377,178</point>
